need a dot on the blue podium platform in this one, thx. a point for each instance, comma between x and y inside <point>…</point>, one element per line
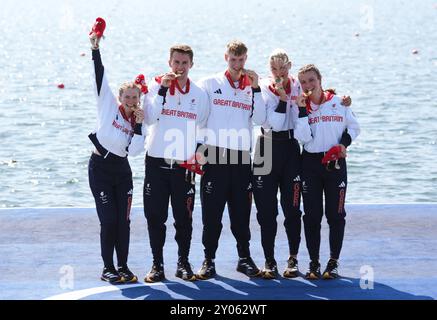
<point>389,252</point>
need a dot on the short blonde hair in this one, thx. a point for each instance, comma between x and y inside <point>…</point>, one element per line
<point>279,55</point>
<point>236,47</point>
<point>129,85</point>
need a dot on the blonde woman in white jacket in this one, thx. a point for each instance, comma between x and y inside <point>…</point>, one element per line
<point>119,133</point>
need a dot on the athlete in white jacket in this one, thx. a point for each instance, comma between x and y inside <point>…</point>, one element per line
<point>323,124</point>
<point>176,108</point>
<point>235,102</point>
<point>119,123</point>
<point>277,164</point>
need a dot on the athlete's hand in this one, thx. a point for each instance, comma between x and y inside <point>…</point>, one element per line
<point>346,101</point>
<point>139,115</point>
<point>343,151</point>
<point>301,101</point>
<point>253,77</point>
<point>167,78</point>
<point>94,41</point>
<point>279,87</point>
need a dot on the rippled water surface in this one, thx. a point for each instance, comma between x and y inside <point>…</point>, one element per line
<point>363,48</point>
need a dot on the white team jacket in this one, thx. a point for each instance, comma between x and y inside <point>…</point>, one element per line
<point>232,111</point>
<point>275,120</point>
<point>323,128</point>
<point>114,132</point>
<point>174,124</point>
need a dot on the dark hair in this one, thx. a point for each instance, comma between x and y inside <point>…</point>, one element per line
<point>311,67</point>
<point>182,48</point>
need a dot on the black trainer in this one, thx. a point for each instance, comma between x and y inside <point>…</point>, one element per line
<point>248,267</point>
<point>207,270</point>
<point>331,271</point>
<point>184,270</point>
<point>313,271</point>
<point>270,270</point>
<point>127,275</point>
<point>111,275</point>
<point>292,268</point>
<point>156,274</point>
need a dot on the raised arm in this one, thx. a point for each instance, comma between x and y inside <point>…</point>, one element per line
<point>106,101</point>
<point>98,65</point>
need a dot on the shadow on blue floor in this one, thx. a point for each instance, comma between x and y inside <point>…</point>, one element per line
<point>222,288</point>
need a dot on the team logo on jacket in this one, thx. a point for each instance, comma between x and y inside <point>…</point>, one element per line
<point>333,109</point>
<point>193,104</point>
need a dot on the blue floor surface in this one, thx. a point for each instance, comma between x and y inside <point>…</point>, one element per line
<point>389,252</point>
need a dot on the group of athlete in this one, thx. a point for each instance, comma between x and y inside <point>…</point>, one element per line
<point>205,129</point>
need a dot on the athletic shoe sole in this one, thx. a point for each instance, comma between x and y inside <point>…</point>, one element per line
<point>185,278</point>
<point>113,281</point>
<point>312,276</point>
<point>250,276</point>
<point>151,280</point>
<point>329,276</point>
<point>269,275</point>
<point>133,280</point>
<point>290,274</point>
<point>201,277</point>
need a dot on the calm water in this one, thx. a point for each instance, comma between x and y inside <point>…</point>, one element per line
<point>363,48</point>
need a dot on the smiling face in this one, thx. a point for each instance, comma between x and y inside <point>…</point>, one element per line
<point>279,69</point>
<point>310,81</point>
<point>180,63</point>
<point>235,63</point>
<point>130,98</point>
<point>279,64</point>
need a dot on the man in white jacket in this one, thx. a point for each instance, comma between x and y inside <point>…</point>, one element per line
<point>235,102</point>
<point>176,106</point>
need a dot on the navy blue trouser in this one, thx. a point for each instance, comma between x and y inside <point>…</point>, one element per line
<point>110,181</point>
<point>316,181</point>
<point>226,183</point>
<point>161,183</point>
<point>285,163</point>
